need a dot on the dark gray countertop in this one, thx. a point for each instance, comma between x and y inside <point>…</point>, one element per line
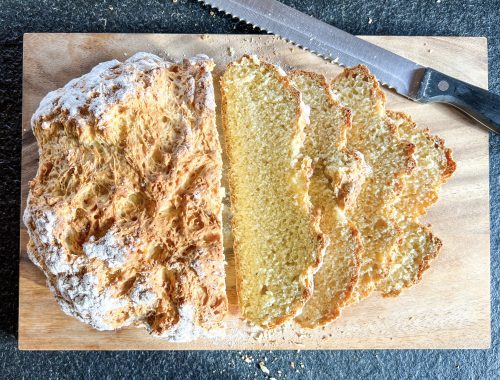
<point>390,17</point>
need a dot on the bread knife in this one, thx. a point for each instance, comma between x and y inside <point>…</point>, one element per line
<point>407,78</point>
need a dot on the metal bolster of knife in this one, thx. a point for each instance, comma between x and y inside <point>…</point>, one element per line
<point>480,104</point>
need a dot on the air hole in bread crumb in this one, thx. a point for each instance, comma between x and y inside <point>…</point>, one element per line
<point>263,290</point>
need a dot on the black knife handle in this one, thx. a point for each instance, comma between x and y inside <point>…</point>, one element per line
<point>480,104</point>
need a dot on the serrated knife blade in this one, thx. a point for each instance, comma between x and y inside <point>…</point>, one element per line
<point>326,40</point>
<point>403,75</point>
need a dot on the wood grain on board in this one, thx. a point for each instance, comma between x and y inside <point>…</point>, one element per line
<point>450,308</point>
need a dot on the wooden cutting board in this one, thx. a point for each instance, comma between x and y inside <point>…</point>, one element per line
<point>450,308</point>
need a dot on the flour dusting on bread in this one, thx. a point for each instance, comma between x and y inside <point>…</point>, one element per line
<point>127,198</point>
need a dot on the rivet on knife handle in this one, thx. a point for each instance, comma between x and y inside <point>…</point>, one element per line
<point>480,104</point>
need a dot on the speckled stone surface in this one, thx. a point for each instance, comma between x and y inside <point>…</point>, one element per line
<point>389,17</point>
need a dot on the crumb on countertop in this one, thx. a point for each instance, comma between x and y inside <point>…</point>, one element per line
<point>263,368</point>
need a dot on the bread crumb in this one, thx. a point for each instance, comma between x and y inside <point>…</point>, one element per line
<point>247,359</point>
<point>263,368</point>
<point>230,51</point>
<point>292,364</point>
<point>212,13</point>
<point>301,365</point>
<point>257,335</point>
<point>370,20</point>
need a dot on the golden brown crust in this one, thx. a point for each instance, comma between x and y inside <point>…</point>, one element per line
<point>422,263</point>
<point>297,126</point>
<point>431,255</point>
<point>125,211</point>
<point>451,165</point>
<point>439,142</point>
<point>341,300</point>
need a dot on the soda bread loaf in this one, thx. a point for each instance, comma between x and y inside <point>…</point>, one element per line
<point>390,160</point>
<point>278,245</point>
<point>419,246</point>
<point>337,175</point>
<point>124,214</point>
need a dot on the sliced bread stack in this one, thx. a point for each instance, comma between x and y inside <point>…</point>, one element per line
<point>367,172</point>
<point>419,246</point>
<point>428,166</point>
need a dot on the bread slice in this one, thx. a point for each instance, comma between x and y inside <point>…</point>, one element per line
<point>337,175</point>
<point>278,245</point>
<point>419,246</point>
<point>124,214</point>
<point>390,159</point>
